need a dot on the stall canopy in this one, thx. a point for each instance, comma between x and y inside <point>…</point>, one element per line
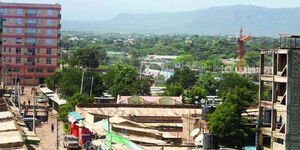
<point>74,116</point>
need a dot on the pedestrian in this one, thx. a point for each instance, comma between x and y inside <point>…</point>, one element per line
<point>29,102</point>
<point>52,127</point>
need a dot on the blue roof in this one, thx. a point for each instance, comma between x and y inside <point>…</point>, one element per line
<point>75,115</point>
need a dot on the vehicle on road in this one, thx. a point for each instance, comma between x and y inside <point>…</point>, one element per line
<point>29,122</point>
<point>41,99</point>
<point>71,142</point>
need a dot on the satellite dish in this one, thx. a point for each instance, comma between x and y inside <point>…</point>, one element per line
<point>199,139</point>
<point>202,101</point>
<point>195,132</point>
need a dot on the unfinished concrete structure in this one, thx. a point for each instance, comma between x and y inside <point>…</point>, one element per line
<point>279,97</point>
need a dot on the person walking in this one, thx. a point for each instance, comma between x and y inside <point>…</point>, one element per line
<point>29,102</point>
<point>52,127</point>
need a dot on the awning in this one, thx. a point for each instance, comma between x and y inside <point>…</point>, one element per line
<point>74,116</point>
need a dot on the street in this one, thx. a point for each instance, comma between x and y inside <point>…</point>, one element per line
<point>43,131</point>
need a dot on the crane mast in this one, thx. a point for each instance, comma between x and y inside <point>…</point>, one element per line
<point>240,50</point>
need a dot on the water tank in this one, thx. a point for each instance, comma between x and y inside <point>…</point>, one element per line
<point>210,141</point>
<point>267,116</point>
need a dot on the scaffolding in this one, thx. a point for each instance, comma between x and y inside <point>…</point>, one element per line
<point>279,97</point>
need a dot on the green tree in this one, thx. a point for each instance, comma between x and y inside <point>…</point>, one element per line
<point>208,81</point>
<point>69,81</point>
<point>174,89</point>
<point>185,77</point>
<point>228,123</point>
<point>125,80</point>
<point>252,59</point>
<point>87,57</point>
<point>195,94</point>
<point>184,59</point>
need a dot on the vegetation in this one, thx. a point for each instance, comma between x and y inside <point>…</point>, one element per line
<point>227,122</point>
<point>125,80</point>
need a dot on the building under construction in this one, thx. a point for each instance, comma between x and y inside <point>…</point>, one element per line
<point>279,97</point>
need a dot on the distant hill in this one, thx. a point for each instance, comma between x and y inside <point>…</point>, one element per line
<point>224,20</point>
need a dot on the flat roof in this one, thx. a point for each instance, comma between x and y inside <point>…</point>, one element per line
<point>6,115</point>
<point>8,126</point>
<point>289,36</point>
<point>11,137</point>
<point>138,106</point>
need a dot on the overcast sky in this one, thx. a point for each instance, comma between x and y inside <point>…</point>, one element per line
<point>106,9</point>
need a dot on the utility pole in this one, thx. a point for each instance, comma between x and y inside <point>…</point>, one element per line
<point>19,96</point>
<point>57,140</point>
<point>91,92</point>
<point>34,112</point>
<point>81,87</point>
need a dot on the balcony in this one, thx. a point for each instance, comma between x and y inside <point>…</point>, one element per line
<point>30,34</point>
<point>30,43</point>
<point>29,63</point>
<point>30,24</point>
<point>30,14</point>
<point>59,15</point>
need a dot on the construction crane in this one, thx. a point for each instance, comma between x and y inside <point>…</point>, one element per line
<point>240,50</point>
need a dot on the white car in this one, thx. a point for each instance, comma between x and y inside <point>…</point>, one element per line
<point>71,141</point>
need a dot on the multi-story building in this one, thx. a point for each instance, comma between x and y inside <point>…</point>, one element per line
<point>30,42</point>
<point>279,97</point>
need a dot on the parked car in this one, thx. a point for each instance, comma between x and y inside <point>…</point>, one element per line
<point>41,99</point>
<point>71,141</point>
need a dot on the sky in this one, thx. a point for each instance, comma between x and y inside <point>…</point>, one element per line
<point>107,9</point>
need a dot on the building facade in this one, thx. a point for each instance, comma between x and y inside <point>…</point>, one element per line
<point>279,97</point>
<point>30,42</point>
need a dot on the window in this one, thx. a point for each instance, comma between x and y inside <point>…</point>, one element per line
<point>30,50</point>
<point>18,40</point>
<point>1,11</point>
<point>16,69</point>
<point>31,40</point>
<point>18,60</point>
<point>48,51</point>
<point>39,21</point>
<point>5,11</point>
<point>18,50</point>
<point>49,41</point>
<point>4,59</point>
<point>9,49</point>
<point>38,50</point>
<point>38,60</point>
<point>10,20</point>
<point>32,11</point>
<point>49,22</point>
<point>4,29</point>
<point>30,70</point>
<point>49,31</point>
<point>48,60</point>
<point>19,11</point>
<point>19,21</point>
<point>39,69</point>
<point>9,59</point>
<point>4,49</point>
<point>10,29</point>
<point>30,60</point>
<point>19,30</point>
<point>31,21</point>
<point>49,12</point>
<point>50,70</point>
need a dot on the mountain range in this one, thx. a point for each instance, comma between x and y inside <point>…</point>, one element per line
<point>223,20</point>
